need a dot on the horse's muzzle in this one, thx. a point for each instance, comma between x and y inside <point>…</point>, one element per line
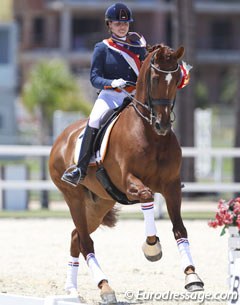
<point>160,129</point>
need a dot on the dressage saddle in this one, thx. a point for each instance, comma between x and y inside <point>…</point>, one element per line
<point>101,172</point>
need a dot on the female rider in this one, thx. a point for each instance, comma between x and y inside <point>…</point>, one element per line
<point>115,62</point>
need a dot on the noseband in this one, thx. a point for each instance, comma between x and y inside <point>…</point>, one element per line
<point>154,102</point>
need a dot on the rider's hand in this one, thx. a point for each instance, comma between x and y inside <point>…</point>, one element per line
<point>118,83</point>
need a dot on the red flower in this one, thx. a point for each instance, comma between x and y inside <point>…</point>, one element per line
<point>213,223</point>
<point>238,222</point>
<point>228,214</point>
<point>236,208</point>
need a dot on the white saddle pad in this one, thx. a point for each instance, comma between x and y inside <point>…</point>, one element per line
<point>100,154</point>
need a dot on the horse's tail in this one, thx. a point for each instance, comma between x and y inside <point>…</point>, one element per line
<point>110,219</point>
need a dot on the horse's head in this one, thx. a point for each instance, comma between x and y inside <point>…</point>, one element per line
<point>162,77</point>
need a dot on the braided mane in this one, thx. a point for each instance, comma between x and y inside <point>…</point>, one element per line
<point>164,54</point>
<point>164,50</point>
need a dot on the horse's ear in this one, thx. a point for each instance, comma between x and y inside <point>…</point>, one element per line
<point>180,52</point>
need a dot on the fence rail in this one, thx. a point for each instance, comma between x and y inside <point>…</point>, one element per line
<point>24,150</point>
<point>39,151</point>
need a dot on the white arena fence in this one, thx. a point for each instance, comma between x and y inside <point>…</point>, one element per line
<point>39,151</point>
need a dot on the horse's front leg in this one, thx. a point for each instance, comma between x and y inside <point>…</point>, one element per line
<point>172,194</point>
<point>137,190</point>
<point>151,247</point>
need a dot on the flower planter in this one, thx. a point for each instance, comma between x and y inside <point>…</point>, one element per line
<point>233,231</point>
<point>228,217</point>
<point>233,250</point>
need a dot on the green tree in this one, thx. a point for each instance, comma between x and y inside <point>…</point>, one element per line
<point>51,86</point>
<point>228,86</point>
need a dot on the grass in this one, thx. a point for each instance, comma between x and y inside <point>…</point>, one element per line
<point>45,214</point>
<point>198,215</point>
<point>42,213</point>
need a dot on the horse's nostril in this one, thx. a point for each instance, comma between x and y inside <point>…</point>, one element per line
<point>158,125</point>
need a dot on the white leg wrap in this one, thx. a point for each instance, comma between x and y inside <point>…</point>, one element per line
<point>149,221</point>
<point>96,270</point>
<point>72,272</point>
<point>184,250</point>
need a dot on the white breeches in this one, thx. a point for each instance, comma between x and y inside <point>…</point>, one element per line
<point>106,101</point>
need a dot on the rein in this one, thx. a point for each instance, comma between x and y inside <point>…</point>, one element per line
<point>135,107</point>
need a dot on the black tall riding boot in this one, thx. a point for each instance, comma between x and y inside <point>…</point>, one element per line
<point>79,172</point>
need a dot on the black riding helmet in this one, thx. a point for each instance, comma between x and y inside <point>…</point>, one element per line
<point>118,12</point>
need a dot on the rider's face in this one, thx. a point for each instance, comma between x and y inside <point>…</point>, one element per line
<point>120,29</point>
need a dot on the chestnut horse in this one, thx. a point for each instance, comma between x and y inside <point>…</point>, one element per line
<point>143,157</point>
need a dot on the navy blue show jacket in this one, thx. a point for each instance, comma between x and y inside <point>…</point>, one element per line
<point>108,65</point>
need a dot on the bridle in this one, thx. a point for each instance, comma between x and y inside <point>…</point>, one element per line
<point>153,102</point>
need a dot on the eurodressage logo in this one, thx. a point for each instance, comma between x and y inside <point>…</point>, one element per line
<point>199,297</point>
<point>235,290</point>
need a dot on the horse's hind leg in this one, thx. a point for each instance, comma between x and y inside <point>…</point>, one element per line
<point>73,263</point>
<point>172,196</point>
<point>85,224</point>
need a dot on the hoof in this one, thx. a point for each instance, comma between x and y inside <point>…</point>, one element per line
<point>107,294</point>
<point>152,253</point>
<point>71,290</point>
<point>109,298</point>
<point>146,194</point>
<point>193,283</point>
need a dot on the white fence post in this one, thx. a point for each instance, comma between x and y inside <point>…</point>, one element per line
<point>10,172</point>
<point>159,202</point>
<point>1,189</point>
<point>218,169</point>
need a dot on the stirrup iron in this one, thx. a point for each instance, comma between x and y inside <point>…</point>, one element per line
<point>69,180</point>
